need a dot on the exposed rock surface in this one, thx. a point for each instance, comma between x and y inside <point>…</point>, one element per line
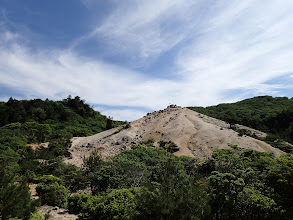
<point>195,134</point>
<point>56,213</point>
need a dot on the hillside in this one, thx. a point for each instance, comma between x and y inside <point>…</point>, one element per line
<point>194,134</point>
<point>271,115</point>
<point>71,116</point>
<point>146,169</point>
<point>24,157</point>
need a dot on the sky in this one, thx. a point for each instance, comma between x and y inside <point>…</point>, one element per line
<point>127,58</point>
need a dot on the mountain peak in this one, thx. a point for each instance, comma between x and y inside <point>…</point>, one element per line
<point>195,135</point>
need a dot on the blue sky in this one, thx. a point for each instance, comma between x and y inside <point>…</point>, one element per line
<point>130,57</point>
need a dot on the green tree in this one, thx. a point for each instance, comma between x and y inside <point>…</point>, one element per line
<point>280,178</point>
<point>53,194</point>
<point>112,204</point>
<point>14,193</point>
<point>175,196</point>
<point>109,123</point>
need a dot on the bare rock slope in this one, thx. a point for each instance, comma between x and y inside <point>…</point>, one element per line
<point>195,134</point>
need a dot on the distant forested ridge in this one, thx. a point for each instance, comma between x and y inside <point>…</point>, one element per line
<point>71,116</point>
<point>265,113</point>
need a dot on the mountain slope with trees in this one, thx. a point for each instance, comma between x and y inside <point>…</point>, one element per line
<point>144,182</point>
<point>72,116</point>
<point>265,113</point>
<point>35,121</point>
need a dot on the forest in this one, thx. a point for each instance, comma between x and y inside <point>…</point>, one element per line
<point>145,182</point>
<point>265,113</point>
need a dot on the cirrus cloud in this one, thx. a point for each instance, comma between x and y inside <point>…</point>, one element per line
<point>209,52</point>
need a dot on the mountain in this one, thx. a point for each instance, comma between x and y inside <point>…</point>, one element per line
<point>191,133</point>
<point>141,183</point>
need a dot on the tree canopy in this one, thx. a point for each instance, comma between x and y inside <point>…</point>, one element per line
<point>145,182</point>
<point>265,113</point>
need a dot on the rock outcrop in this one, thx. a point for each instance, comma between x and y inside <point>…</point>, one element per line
<point>195,134</point>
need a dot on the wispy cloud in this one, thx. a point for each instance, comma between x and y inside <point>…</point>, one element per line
<point>241,48</point>
<point>222,51</point>
<point>145,29</point>
<point>55,74</point>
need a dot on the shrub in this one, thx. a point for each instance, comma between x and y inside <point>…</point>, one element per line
<point>113,204</point>
<point>170,146</point>
<point>49,179</point>
<point>149,142</point>
<point>175,198</point>
<point>117,204</point>
<point>53,194</point>
<point>77,203</point>
<point>37,216</point>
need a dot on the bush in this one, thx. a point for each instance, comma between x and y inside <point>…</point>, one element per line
<point>117,204</point>
<point>37,216</point>
<point>49,179</point>
<point>114,204</point>
<point>53,194</point>
<point>149,142</point>
<point>170,146</point>
<point>129,168</point>
<point>77,203</point>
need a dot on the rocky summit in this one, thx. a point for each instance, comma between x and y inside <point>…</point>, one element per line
<point>195,135</point>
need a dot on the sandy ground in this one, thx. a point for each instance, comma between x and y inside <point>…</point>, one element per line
<point>32,190</point>
<point>56,213</point>
<point>195,134</point>
<point>39,146</point>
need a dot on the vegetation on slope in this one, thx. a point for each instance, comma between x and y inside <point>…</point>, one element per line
<point>35,121</point>
<point>42,120</point>
<point>145,182</point>
<point>265,113</point>
<point>151,183</point>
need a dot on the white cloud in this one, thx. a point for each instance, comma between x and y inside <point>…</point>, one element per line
<point>224,46</point>
<point>55,74</point>
<point>242,47</point>
<point>227,44</point>
<point>123,114</point>
<point>145,28</point>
